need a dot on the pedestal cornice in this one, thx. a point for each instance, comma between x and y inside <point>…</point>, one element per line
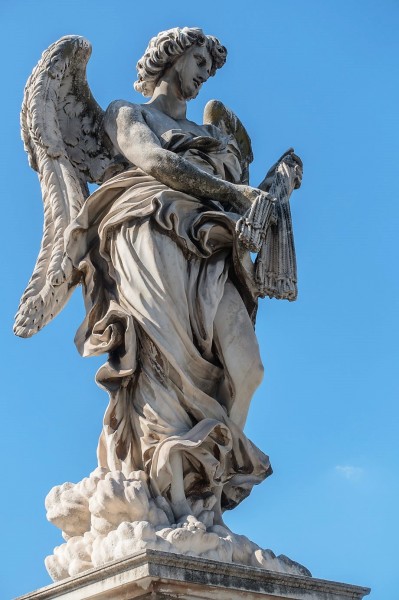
<point>160,575</point>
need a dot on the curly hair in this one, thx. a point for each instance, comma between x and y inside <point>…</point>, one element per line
<point>166,47</point>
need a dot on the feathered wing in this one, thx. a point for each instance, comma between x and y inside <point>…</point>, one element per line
<point>216,113</point>
<point>266,228</point>
<point>62,130</point>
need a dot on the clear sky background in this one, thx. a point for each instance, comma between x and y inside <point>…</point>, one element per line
<point>322,77</point>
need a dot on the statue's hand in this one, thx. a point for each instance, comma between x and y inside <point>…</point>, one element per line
<point>244,196</point>
<point>294,165</point>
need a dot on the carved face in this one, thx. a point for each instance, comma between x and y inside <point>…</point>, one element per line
<point>192,69</point>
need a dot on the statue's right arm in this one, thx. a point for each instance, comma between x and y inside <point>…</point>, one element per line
<point>128,131</point>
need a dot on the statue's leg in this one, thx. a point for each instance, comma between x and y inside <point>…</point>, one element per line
<point>217,509</point>
<point>239,353</point>
<point>179,503</point>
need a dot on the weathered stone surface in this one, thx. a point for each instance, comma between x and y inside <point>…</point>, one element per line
<point>151,575</point>
<point>162,249</point>
<point>108,516</point>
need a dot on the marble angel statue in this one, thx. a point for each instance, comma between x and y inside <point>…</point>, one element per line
<point>162,250</point>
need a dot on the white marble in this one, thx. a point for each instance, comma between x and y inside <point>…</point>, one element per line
<point>108,516</point>
<point>152,575</point>
<point>162,250</point>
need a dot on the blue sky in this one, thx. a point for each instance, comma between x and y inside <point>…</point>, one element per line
<point>322,77</point>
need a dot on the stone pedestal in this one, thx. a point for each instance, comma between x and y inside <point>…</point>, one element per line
<point>152,575</point>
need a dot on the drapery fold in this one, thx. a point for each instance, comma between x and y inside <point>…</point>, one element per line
<point>164,300</point>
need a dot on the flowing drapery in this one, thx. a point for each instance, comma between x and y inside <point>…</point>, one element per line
<point>165,301</point>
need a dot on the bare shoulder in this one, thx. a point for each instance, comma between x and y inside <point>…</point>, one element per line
<point>124,124</point>
<point>126,127</point>
<point>123,111</point>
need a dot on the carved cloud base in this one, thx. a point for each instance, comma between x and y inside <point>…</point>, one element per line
<point>151,575</point>
<point>108,517</point>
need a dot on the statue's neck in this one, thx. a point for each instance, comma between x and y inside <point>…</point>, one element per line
<point>167,99</point>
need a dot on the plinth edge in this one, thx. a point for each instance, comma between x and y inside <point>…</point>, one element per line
<point>163,575</point>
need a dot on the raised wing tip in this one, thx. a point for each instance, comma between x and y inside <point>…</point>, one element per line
<point>214,102</point>
<point>66,46</point>
<point>73,38</point>
<point>213,109</point>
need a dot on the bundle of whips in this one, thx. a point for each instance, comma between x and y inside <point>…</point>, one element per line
<point>266,228</point>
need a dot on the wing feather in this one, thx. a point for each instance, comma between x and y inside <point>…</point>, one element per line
<point>216,113</point>
<point>62,130</point>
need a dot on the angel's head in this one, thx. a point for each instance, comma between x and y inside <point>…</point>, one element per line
<point>165,49</point>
